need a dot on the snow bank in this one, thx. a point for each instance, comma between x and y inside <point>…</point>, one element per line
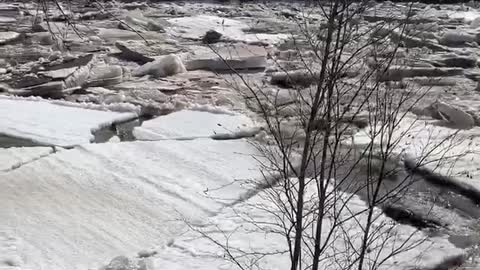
<point>11,158</point>
<point>252,235</point>
<point>51,124</point>
<point>80,208</point>
<point>195,124</point>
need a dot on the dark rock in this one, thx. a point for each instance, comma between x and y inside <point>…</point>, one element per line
<point>211,37</point>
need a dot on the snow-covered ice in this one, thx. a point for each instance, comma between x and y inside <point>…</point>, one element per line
<point>252,233</point>
<point>79,208</point>
<point>195,27</point>
<point>51,124</point>
<point>188,124</point>
<point>11,158</point>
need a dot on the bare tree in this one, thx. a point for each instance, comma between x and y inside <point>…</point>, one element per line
<point>312,173</point>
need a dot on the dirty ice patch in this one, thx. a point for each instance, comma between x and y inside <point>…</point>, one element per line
<point>11,158</point>
<point>195,28</point>
<point>81,207</point>
<point>189,124</point>
<point>50,124</point>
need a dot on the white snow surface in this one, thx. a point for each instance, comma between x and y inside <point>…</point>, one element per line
<point>11,158</point>
<point>252,234</point>
<point>52,124</point>
<point>189,124</point>
<point>79,208</point>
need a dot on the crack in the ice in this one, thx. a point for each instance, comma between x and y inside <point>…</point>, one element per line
<point>216,136</point>
<point>213,137</point>
<point>21,164</point>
